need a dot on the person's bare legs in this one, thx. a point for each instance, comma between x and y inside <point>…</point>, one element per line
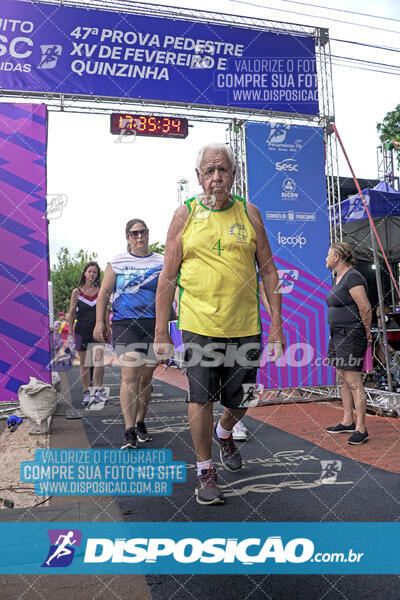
<point>347,398</point>
<point>130,372</point>
<point>144,392</point>
<point>98,372</point>
<point>201,425</point>
<point>354,383</point>
<point>231,416</point>
<point>84,370</point>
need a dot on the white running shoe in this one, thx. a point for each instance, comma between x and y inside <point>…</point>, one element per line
<point>100,395</point>
<point>86,398</point>
<point>239,432</point>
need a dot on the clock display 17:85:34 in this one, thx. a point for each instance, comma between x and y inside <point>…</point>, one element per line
<point>149,125</point>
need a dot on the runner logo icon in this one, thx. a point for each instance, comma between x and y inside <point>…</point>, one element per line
<point>62,547</point>
<point>251,394</point>
<point>330,470</point>
<point>50,55</point>
<point>287,278</point>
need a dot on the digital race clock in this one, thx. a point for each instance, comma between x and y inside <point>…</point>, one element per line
<point>149,125</point>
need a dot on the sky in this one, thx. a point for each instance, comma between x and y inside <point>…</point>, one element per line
<point>106,182</point>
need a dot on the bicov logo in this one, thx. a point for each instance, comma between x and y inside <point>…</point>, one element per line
<point>289,189</point>
<point>191,550</point>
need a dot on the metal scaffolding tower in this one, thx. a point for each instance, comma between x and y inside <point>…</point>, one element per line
<point>386,164</point>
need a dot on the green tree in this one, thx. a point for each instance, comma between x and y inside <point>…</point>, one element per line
<point>389,130</point>
<point>65,276</point>
<point>157,247</point>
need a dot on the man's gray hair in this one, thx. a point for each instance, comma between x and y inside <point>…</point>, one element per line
<point>216,148</point>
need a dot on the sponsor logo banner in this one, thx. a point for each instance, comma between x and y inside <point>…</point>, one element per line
<point>287,548</point>
<point>290,216</point>
<point>286,179</point>
<point>69,50</point>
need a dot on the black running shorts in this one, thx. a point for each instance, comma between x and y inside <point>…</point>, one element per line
<point>134,335</point>
<point>221,369</point>
<point>346,348</point>
<point>83,337</point>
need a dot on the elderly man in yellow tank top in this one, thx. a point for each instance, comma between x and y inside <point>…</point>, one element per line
<point>216,243</point>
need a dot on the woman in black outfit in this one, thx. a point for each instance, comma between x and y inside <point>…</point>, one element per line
<point>349,319</point>
<point>83,307</point>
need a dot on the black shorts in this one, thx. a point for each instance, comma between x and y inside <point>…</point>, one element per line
<point>83,336</point>
<point>346,348</point>
<point>231,375</point>
<point>134,335</point>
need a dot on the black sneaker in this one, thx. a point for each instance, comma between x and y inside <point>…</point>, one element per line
<point>358,438</point>
<point>229,454</point>
<point>141,432</point>
<point>341,428</point>
<point>207,491</point>
<point>129,439</point>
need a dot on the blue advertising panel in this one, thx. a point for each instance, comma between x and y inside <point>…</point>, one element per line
<point>186,548</point>
<point>68,50</point>
<point>286,181</point>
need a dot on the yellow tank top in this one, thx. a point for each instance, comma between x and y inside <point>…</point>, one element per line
<point>218,283</point>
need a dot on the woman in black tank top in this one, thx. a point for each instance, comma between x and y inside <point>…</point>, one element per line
<point>83,309</point>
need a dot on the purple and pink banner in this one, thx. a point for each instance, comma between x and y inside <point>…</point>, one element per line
<point>24,321</point>
<point>286,181</point>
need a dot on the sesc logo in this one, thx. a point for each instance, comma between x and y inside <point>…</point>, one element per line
<point>288,165</point>
<point>292,240</point>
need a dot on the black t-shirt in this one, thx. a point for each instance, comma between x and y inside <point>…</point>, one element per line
<point>343,311</point>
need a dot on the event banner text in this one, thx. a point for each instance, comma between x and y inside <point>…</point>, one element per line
<point>68,50</point>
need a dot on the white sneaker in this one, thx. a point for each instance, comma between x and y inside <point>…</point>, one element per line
<point>86,398</point>
<point>100,395</point>
<point>239,432</point>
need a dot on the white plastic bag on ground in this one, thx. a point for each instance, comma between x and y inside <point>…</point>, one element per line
<point>38,400</point>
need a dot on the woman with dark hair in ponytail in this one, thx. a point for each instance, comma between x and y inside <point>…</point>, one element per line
<point>349,319</point>
<point>83,307</point>
<point>131,278</point>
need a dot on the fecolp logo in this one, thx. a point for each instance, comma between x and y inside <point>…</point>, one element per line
<point>292,240</point>
<point>287,165</point>
<point>191,550</point>
<point>62,547</point>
